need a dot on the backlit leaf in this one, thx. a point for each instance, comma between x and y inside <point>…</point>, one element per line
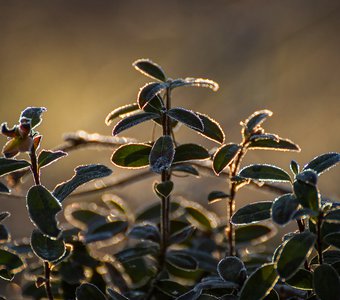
<point>105,231</point>
<point>42,208</point>
<point>149,91</point>
<point>181,261</point>
<point>83,174</point>
<point>260,283</point>
<point>255,120</point>
<point>215,196</point>
<point>211,129</point>
<point>89,291</point>
<point>181,235</point>
<point>46,157</point>
<point>4,188</point>
<point>294,253</point>
<point>8,165</point>
<point>115,295</point>
<point>33,113</point>
<point>264,173</point>
<point>307,195</point>
<point>326,282</point>
<point>252,213</point>
<point>185,169</point>
<point>164,189</point>
<point>189,152</point>
<point>10,263</point>
<point>150,69</point>
<point>121,111</point>
<point>333,239</point>
<point>224,156</point>
<point>138,251</point>
<point>302,280</point>
<point>46,248</point>
<point>253,234</point>
<point>4,215</point>
<point>283,209</point>
<point>232,269</point>
<point>199,217</point>
<point>279,144</point>
<point>198,82</point>
<point>145,232</point>
<point>132,156</point>
<point>162,154</point>
<point>187,117</point>
<point>133,120</point>
<point>323,162</point>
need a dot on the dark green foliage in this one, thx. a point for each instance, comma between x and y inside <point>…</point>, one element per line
<point>46,248</point>
<point>8,165</point>
<point>83,174</point>
<point>264,173</point>
<point>224,156</point>
<point>132,156</point>
<point>46,157</point>
<point>293,254</point>
<point>171,249</point>
<point>42,208</point>
<point>252,213</point>
<point>260,283</point>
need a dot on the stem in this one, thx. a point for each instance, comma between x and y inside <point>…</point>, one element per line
<point>319,238</point>
<point>34,166</point>
<point>231,202</point>
<point>47,280</point>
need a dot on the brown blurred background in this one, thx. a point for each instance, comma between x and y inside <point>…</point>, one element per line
<point>74,57</point>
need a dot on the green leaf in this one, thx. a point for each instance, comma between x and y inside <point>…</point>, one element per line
<point>255,120</point>
<point>215,196</point>
<point>211,129</point>
<point>323,162</point>
<point>278,144</point>
<point>333,216</point>
<point>284,208</point>
<point>33,113</point>
<point>132,156</point>
<point>181,261</point>
<point>162,154</point>
<point>232,269</point>
<point>145,232</point>
<point>330,257</point>
<point>83,174</point>
<point>164,189</point>
<point>8,165</point>
<point>11,263</point>
<point>197,82</point>
<point>46,248</point>
<point>302,280</point>
<point>4,215</point>
<point>115,295</point>
<point>307,195</point>
<point>5,236</point>
<point>252,213</point>
<point>294,253</point>
<point>149,92</point>
<point>89,291</point>
<point>326,282</point>
<point>150,69</point>
<point>105,231</point>
<point>171,288</point>
<point>4,188</point>
<point>42,208</point>
<point>200,218</point>
<point>224,156</point>
<point>253,234</point>
<point>185,169</point>
<point>333,239</point>
<point>133,120</point>
<point>264,173</point>
<point>138,251</point>
<point>152,212</point>
<point>294,167</point>
<point>308,176</point>
<point>46,157</point>
<point>260,283</point>
<point>189,152</point>
<point>121,112</point>
<point>155,105</point>
<point>187,117</point>
<point>181,235</point>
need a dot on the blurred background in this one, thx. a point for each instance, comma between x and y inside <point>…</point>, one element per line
<point>74,57</point>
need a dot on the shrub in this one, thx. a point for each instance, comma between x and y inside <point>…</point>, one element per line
<point>175,248</point>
